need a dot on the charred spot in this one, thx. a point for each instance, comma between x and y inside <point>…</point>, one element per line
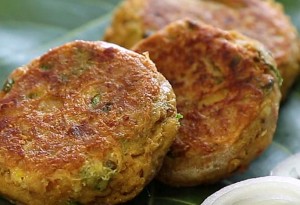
<point>266,82</point>
<point>256,59</point>
<point>176,84</point>
<point>32,95</point>
<point>107,107</point>
<point>257,136</point>
<point>126,118</point>
<point>178,149</point>
<point>268,85</point>
<point>235,61</point>
<point>141,173</point>
<point>106,55</point>
<point>4,171</point>
<point>4,123</point>
<point>192,25</point>
<point>178,152</point>
<point>170,112</point>
<point>194,115</point>
<point>170,154</point>
<point>111,164</point>
<point>8,85</point>
<point>109,52</point>
<point>147,33</point>
<point>7,103</point>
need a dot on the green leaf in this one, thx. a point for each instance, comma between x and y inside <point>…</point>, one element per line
<point>29,28</point>
<point>292,9</point>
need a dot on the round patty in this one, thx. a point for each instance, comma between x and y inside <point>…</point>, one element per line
<point>86,123</point>
<point>227,89</point>
<point>262,20</point>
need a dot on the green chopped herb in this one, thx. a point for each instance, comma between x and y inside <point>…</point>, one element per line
<point>97,175</point>
<point>101,186</point>
<point>45,67</point>
<point>277,73</point>
<point>95,100</point>
<point>8,85</point>
<point>179,116</point>
<point>271,67</point>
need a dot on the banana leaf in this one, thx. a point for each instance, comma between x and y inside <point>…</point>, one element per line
<point>28,28</point>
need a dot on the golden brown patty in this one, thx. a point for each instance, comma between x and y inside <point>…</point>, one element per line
<point>262,20</point>
<point>228,93</point>
<point>88,123</point>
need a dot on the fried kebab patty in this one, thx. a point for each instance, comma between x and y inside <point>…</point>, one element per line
<point>86,123</point>
<point>227,89</point>
<point>264,21</point>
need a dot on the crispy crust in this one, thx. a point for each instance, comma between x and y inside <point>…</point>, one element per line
<point>262,20</point>
<point>228,92</point>
<point>77,123</point>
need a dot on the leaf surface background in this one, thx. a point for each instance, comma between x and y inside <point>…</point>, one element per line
<point>28,28</point>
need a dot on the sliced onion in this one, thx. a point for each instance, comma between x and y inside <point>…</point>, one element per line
<point>270,190</point>
<point>289,167</point>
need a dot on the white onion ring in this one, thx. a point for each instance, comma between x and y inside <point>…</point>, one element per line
<point>289,167</point>
<point>270,190</point>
